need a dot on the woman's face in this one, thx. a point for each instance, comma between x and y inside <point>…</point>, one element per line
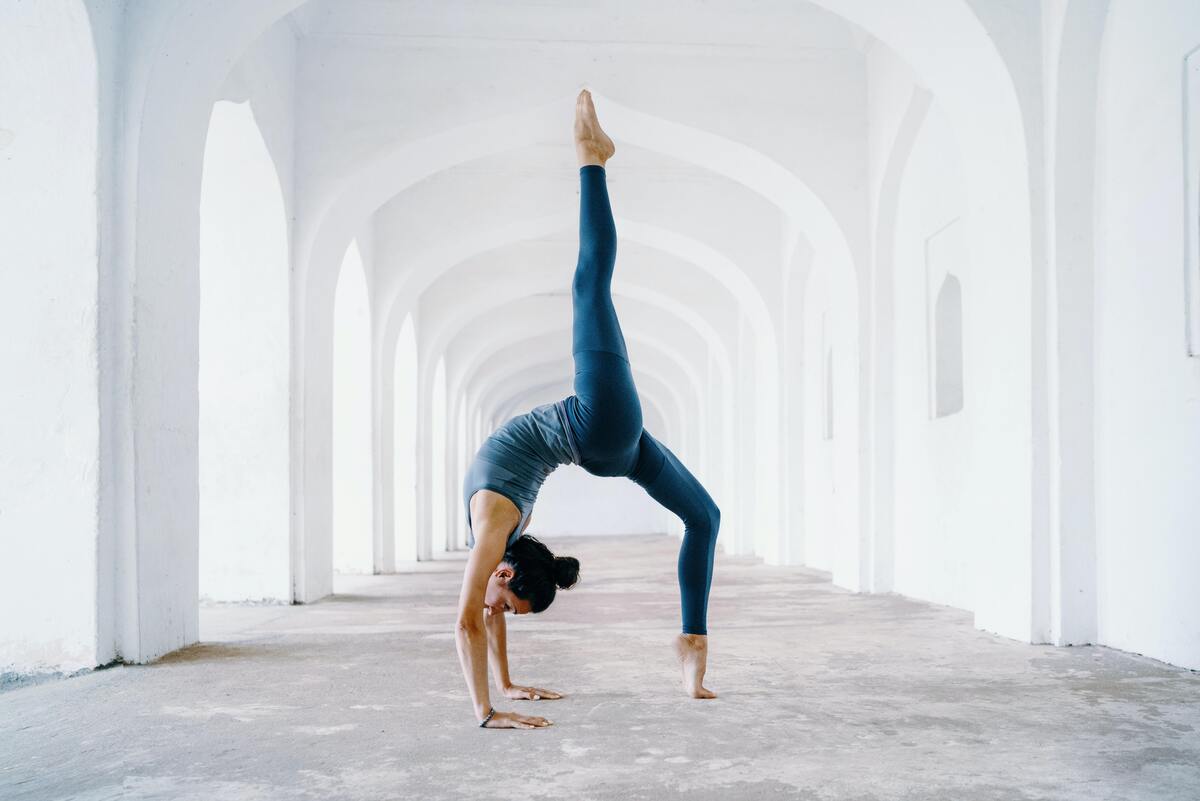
<point>498,598</point>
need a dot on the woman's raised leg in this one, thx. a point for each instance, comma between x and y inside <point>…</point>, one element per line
<point>606,414</point>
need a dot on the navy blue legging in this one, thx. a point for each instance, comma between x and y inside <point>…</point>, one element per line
<point>606,415</point>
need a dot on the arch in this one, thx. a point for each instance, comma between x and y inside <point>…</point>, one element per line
<point>881,427</point>
<point>353,543</point>
<point>243,379</point>
<point>765,487</point>
<point>450,321</point>
<point>439,519</point>
<point>381,178</point>
<point>169,82</point>
<point>405,426</point>
<point>460,460</point>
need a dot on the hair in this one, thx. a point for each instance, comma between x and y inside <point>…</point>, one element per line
<point>537,572</point>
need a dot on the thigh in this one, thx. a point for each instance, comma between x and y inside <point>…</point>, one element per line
<point>606,415</point>
<point>665,478</point>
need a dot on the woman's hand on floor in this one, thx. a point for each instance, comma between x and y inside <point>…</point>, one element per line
<point>511,720</point>
<point>516,692</point>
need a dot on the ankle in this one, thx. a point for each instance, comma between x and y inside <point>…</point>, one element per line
<point>588,155</point>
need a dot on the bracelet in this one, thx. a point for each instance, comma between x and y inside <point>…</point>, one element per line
<point>491,711</point>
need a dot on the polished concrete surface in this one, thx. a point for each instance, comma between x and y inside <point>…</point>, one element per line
<point>823,695</point>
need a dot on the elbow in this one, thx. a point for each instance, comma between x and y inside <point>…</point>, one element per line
<point>468,627</point>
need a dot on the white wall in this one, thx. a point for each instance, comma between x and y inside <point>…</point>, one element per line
<point>936,555</point>
<point>1147,387</point>
<point>49,460</point>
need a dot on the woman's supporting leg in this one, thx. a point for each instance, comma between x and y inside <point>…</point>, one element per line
<point>667,481</point>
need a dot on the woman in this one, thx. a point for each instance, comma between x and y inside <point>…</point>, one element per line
<point>598,428</point>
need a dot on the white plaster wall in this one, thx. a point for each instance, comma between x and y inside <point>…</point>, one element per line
<point>49,460</point>
<point>831,525</point>
<point>491,284</point>
<point>936,555</point>
<point>1147,388</point>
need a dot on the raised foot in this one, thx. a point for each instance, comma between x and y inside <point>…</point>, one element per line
<point>591,143</point>
<point>692,652</point>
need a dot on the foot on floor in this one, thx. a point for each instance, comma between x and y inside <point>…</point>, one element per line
<point>692,652</point>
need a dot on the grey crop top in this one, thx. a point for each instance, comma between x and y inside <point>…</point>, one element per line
<point>518,457</point>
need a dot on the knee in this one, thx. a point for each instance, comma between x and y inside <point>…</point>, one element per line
<point>714,518</point>
<point>593,273</point>
<point>707,520</point>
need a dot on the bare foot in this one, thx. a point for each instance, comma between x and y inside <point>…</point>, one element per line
<point>591,143</point>
<point>692,651</point>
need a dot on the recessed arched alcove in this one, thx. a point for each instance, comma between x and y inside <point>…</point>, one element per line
<point>947,361</point>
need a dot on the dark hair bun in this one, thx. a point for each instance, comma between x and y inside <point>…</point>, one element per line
<point>566,571</point>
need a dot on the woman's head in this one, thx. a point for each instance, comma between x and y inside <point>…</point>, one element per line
<point>529,577</point>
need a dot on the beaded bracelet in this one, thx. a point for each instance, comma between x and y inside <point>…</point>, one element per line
<point>491,711</point>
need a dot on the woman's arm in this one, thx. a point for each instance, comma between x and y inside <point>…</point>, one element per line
<point>491,523</point>
<point>469,631</point>
<point>497,629</point>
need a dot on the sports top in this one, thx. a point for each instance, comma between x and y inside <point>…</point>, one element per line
<point>518,457</point>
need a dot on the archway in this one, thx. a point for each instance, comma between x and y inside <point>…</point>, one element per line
<point>404,514</point>
<point>439,519</point>
<point>353,548</point>
<point>244,445</point>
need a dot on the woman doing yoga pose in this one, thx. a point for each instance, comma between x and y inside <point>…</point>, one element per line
<point>598,428</point>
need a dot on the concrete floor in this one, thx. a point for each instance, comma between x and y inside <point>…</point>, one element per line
<point>823,695</point>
